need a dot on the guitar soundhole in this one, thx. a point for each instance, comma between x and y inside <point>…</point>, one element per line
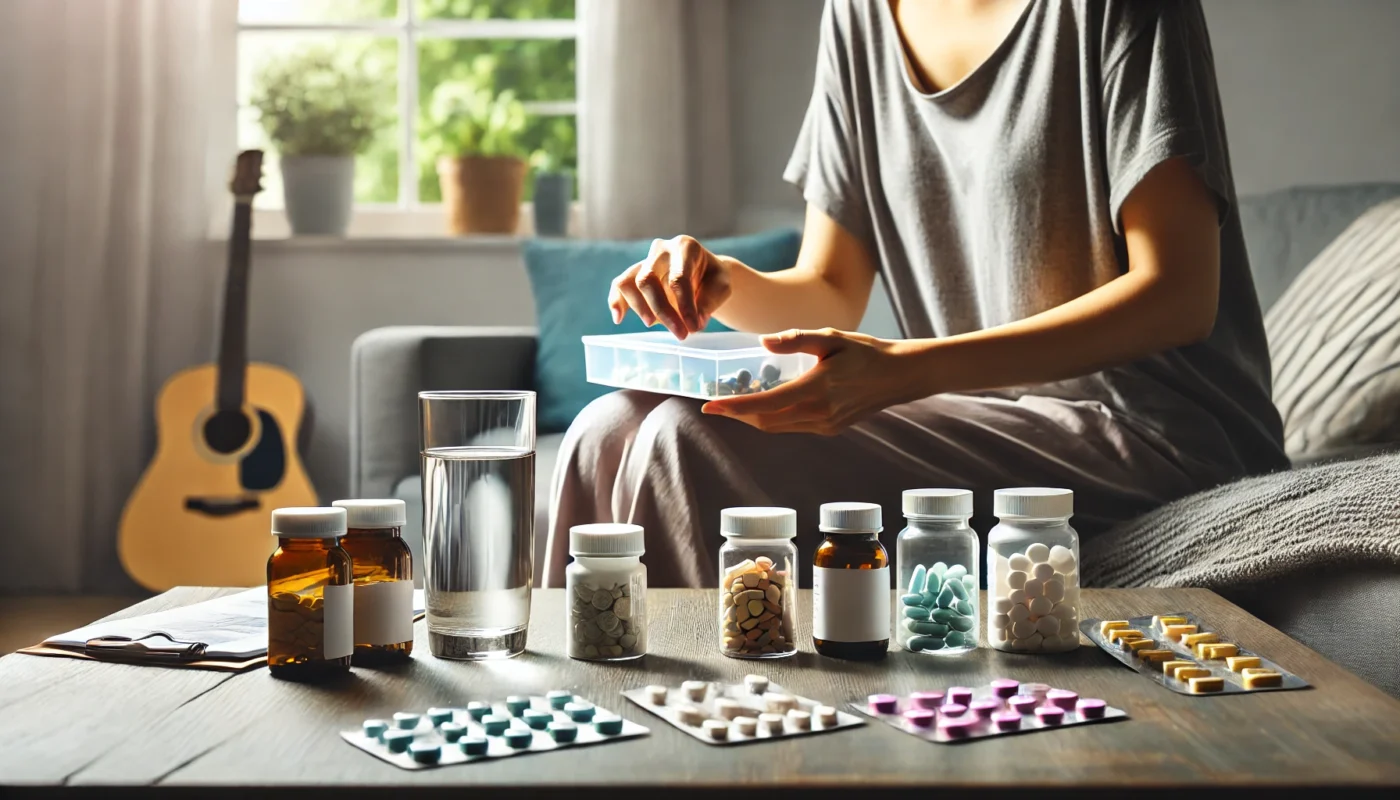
<point>227,431</point>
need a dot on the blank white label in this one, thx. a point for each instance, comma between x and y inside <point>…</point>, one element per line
<point>851,605</point>
<point>384,612</point>
<point>339,611</point>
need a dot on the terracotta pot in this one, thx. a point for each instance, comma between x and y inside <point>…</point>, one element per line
<point>482,193</point>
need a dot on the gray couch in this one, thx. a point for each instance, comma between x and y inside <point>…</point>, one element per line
<point>1284,230</point>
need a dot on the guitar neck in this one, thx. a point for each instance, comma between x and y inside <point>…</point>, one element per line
<point>233,339</point>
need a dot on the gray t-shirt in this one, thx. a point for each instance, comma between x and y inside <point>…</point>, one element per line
<point>999,197</point>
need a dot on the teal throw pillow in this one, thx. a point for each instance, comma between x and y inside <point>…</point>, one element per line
<point>570,280</point>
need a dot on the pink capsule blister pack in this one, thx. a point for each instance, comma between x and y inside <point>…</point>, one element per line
<point>1001,708</point>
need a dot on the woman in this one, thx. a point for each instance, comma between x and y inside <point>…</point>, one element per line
<point>1045,189</point>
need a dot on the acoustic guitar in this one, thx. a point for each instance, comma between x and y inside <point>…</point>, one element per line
<point>226,454</point>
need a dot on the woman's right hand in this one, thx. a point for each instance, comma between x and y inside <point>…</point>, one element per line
<point>679,284</point>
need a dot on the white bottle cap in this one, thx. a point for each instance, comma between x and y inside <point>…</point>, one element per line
<point>757,522</point>
<point>308,523</point>
<point>374,513</point>
<point>937,503</point>
<point>606,539</point>
<point>1033,503</point>
<point>850,518</point>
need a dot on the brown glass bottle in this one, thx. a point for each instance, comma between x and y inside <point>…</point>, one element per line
<point>309,595</point>
<point>381,557</point>
<point>852,544</point>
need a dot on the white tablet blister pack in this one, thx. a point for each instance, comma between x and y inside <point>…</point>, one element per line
<point>740,713</point>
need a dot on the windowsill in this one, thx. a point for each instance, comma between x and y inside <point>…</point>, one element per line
<point>394,229</point>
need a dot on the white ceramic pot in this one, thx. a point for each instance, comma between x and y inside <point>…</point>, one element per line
<point>318,192</point>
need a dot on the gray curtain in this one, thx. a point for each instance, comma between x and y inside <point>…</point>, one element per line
<point>654,150</point>
<point>106,282</point>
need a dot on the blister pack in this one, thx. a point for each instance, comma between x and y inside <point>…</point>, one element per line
<point>1001,708</point>
<point>740,713</point>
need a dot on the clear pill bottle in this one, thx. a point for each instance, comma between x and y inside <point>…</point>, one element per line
<point>606,584</point>
<point>383,569</point>
<point>1033,572</point>
<point>851,584</point>
<point>310,596</point>
<point>938,577</point>
<point>758,582</point>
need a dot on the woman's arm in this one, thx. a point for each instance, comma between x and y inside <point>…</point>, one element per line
<point>1167,298</point>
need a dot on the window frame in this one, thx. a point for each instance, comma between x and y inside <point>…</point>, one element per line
<point>409,216</point>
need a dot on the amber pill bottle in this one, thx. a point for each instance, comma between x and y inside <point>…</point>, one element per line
<point>851,584</point>
<point>310,599</point>
<point>383,567</point>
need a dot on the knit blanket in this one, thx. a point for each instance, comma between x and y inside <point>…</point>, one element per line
<point>1258,530</point>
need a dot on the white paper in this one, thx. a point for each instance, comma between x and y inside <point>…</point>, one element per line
<point>337,640</point>
<point>384,612</point>
<point>851,605</point>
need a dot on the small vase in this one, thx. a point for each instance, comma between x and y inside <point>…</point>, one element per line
<point>554,193</point>
<point>482,193</point>
<point>319,193</point>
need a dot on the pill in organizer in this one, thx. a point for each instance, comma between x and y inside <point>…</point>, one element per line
<point>738,713</point>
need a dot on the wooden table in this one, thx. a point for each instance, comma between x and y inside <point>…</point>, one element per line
<point>69,723</point>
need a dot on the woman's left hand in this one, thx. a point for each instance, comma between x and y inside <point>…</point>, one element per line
<point>856,376</point>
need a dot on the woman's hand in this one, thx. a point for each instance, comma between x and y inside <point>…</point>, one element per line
<point>679,284</point>
<point>857,376</point>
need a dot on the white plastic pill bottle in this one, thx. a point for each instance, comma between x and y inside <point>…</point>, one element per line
<point>1033,572</point>
<point>758,582</point>
<point>938,573</point>
<point>606,585</point>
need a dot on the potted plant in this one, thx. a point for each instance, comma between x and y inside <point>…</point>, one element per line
<point>476,134</point>
<point>554,193</point>
<point>319,110</point>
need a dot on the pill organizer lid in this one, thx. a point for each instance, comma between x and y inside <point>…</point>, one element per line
<point>937,503</point>
<point>606,539</point>
<point>308,523</point>
<point>374,513</point>
<point>758,523</point>
<point>850,518</point>
<point>1035,503</point>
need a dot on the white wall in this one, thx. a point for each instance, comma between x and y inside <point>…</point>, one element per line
<point>1310,95</point>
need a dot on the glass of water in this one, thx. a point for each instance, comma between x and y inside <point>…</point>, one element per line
<point>478,451</point>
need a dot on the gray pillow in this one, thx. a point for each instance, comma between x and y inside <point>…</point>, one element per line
<point>1334,338</point>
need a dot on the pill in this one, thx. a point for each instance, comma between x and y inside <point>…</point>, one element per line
<point>959,591</point>
<point>695,690</point>
<point>478,710</point>
<point>579,711</point>
<point>1191,673</point>
<point>920,717</point>
<point>425,753</point>
<point>729,709</point>
<point>1062,698</point>
<point>1022,704</point>
<point>970,585</point>
<point>960,695</point>
<point>495,724</point>
<point>945,597</point>
<point>562,731</point>
<point>1204,684</point>
<point>1213,652</point>
<point>716,729</point>
<point>1001,605</point>
<point>609,725</point>
<point>912,599</point>
<point>1042,572</point>
<point>405,720</point>
<point>398,740</point>
<point>1005,687</point>
<point>958,728</point>
<point>656,694</point>
<point>917,579</point>
<point>537,719</point>
<point>748,726</point>
<point>955,639</point>
<point>1017,597</point>
<point>961,624</point>
<point>1235,663</point>
<point>779,703</point>
<point>1048,626</point>
<point>826,716</point>
<point>1033,588</point>
<point>1091,708</point>
<point>1062,558</point>
<point>801,720</point>
<point>1000,621</point>
<point>1261,678</point>
<point>773,723</point>
<point>955,572</point>
<point>437,716</point>
<point>921,643</point>
<point>475,745</point>
<point>1156,656</point>
<point>1020,563</point>
<point>1054,590</point>
<point>1139,644</point>
<point>1036,690</point>
<point>953,709</point>
<point>374,728</point>
<point>1040,606</point>
<point>452,731</point>
<point>1050,715</point>
<point>1161,622</point>
<point>1065,611</point>
<point>519,738</point>
<point>1118,634</point>
<point>689,715</point>
<point>558,698</point>
<point>1193,639</point>
<point>1007,720</point>
<point>883,703</point>
<point>517,704</point>
<point>937,629</point>
<point>1022,629</point>
<point>1019,613</point>
<point>926,699</point>
<point>757,684</point>
<point>1112,625</point>
<point>983,708</point>
<point>1169,668</point>
<point>917,613</point>
<point>1038,552</point>
<point>1175,632</point>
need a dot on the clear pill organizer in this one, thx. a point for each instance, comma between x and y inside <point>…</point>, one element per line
<point>705,365</point>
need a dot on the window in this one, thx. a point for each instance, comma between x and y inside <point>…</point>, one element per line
<point>415,47</point>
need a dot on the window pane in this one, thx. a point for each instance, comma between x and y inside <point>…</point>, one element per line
<point>535,70</point>
<point>495,9</point>
<point>301,11</point>
<point>375,58</point>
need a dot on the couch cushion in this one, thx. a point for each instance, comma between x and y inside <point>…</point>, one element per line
<point>570,282</point>
<point>1334,338</point>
